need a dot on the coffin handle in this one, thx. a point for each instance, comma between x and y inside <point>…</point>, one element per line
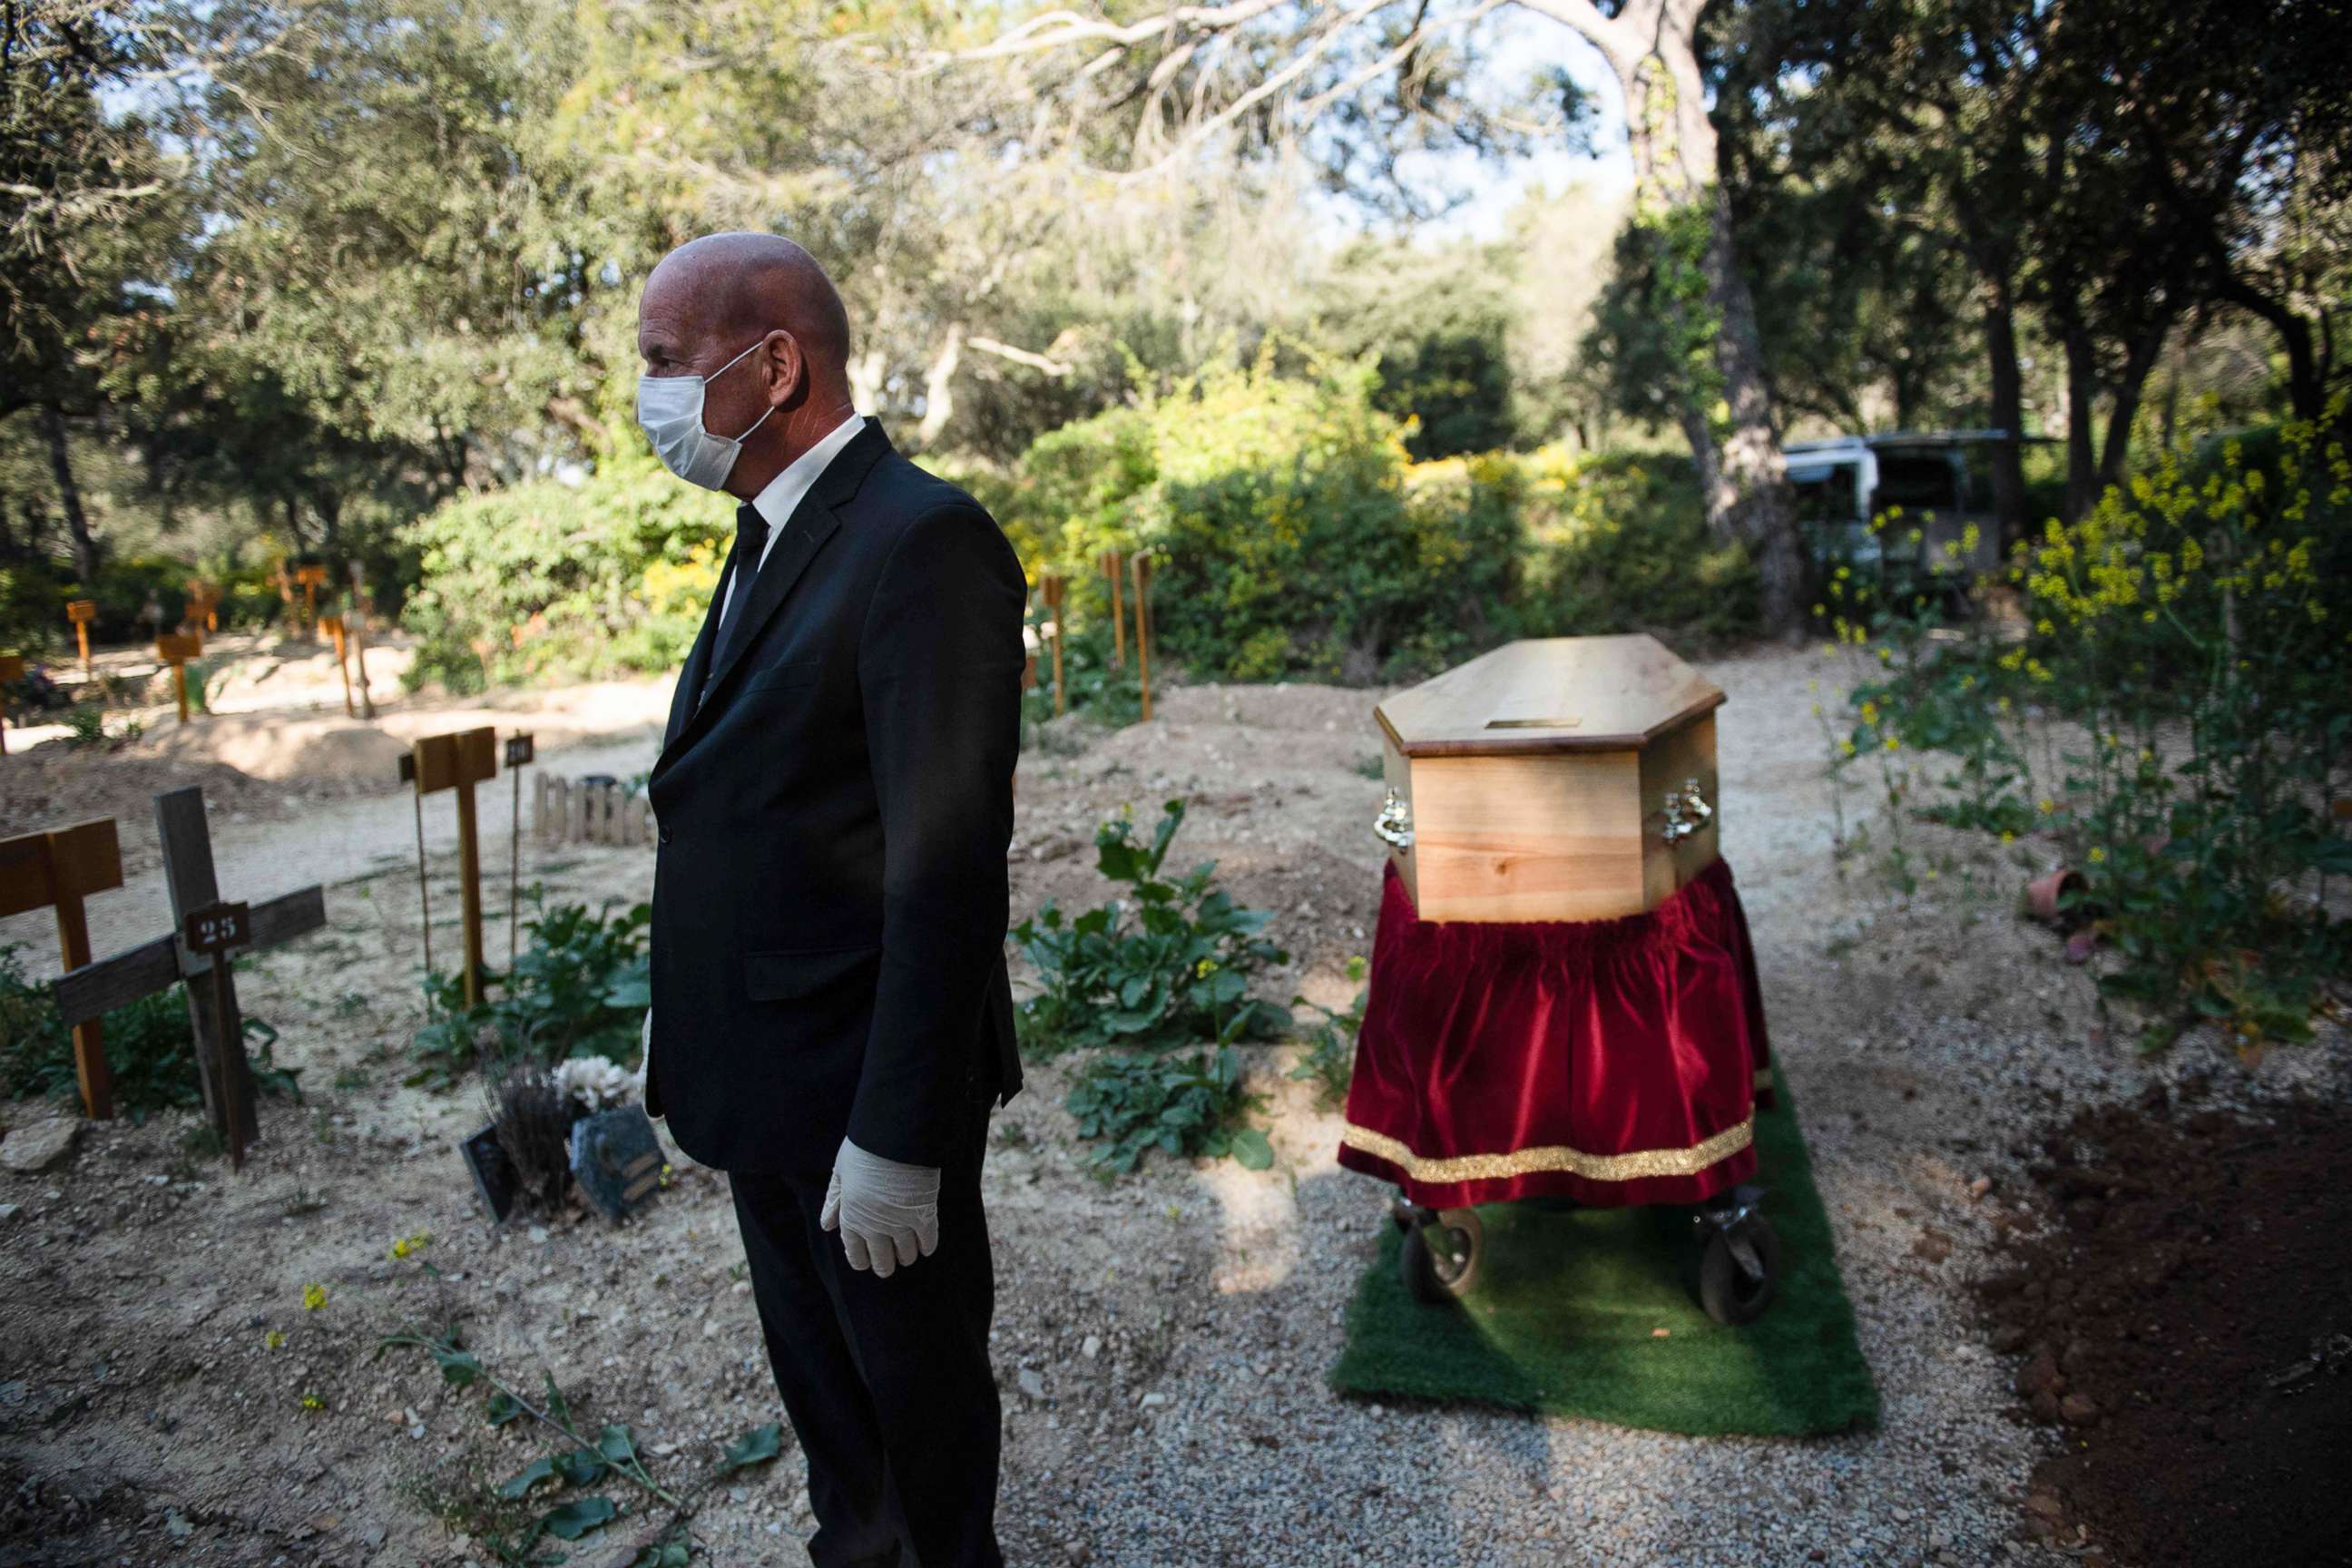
<point>1687,810</point>
<point>1393,826</point>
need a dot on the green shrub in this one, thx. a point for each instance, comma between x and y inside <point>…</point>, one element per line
<point>1179,973</point>
<point>1618,542</point>
<point>151,1048</point>
<point>610,575</point>
<point>580,988</point>
<point>2175,718</point>
<point>1189,1106</point>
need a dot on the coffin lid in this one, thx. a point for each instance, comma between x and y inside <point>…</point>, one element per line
<point>1550,694</point>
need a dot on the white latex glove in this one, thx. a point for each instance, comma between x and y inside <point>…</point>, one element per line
<point>644,1055</point>
<point>887,1214</point>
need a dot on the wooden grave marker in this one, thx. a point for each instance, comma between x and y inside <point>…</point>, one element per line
<point>58,869</point>
<point>198,952</point>
<point>81,612</point>
<point>204,606</point>
<point>175,648</point>
<point>458,763</point>
<point>12,670</point>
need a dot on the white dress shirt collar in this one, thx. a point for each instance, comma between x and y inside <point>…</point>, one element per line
<point>783,493</point>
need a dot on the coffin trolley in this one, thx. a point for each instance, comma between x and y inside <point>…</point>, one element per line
<point>1563,998</point>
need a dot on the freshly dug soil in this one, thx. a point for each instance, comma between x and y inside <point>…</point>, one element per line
<point>2186,1319</point>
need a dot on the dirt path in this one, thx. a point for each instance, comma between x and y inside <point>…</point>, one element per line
<point>1161,1341</point>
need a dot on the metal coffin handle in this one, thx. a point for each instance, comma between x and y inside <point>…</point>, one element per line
<point>1687,810</point>
<point>1393,826</point>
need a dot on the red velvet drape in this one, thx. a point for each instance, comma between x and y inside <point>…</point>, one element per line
<point>1611,1061</point>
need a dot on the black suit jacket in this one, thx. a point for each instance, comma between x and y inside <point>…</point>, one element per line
<point>830,894</point>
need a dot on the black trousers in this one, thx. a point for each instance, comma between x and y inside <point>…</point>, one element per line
<point>886,1381</point>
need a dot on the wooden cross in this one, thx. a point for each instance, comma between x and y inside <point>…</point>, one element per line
<point>81,612</point>
<point>198,953</point>
<point>61,870</point>
<point>204,606</point>
<point>175,648</point>
<point>458,763</point>
<point>12,670</point>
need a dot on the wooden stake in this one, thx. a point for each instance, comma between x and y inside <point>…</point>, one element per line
<point>1055,587</point>
<point>60,868</point>
<point>1142,567</point>
<point>519,751</point>
<point>333,626</point>
<point>1110,565</point>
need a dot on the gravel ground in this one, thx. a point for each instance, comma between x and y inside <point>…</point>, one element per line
<point>1161,1343</point>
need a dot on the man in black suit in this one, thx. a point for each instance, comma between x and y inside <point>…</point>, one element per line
<point>831,1018</point>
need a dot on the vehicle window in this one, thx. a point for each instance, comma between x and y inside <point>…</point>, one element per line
<point>1916,481</point>
<point>1828,496</point>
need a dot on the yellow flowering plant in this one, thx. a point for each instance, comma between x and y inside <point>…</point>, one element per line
<point>2171,702</point>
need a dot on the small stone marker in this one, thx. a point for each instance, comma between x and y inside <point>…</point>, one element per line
<point>616,1159</point>
<point>175,648</point>
<point>81,612</point>
<point>61,870</point>
<point>494,1173</point>
<point>89,991</point>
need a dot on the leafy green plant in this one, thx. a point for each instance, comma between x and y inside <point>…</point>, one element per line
<point>1330,1058</point>
<point>1187,1105</point>
<point>1166,966</point>
<point>516,1516</point>
<point>151,1048</point>
<point>1108,694</point>
<point>85,728</point>
<point>580,987</point>
<point>2175,719</point>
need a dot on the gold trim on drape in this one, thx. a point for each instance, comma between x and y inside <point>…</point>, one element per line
<point>1624,1167</point>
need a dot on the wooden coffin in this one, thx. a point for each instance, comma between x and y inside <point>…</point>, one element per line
<point>1556,779</point>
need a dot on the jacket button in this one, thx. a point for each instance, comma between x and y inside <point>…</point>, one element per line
<point>664,835</point>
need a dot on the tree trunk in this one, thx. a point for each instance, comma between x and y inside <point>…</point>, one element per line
<point>2082,384</point>
<point>2139,363</point>
<point>1736,448</point>
<point>938,388</point>
<point>85,549</point>
<point>2007,386</point>
<point>1759,506</point>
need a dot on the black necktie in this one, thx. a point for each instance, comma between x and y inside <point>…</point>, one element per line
<point>743,565</point>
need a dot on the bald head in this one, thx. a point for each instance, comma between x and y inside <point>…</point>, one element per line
<point>713,297</point>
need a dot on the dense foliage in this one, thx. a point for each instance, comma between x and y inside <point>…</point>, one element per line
<point>2177,718</point>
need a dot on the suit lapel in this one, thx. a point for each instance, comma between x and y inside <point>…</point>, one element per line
<point>810,524</point>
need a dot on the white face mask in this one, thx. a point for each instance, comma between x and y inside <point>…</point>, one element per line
<point>669,410</point>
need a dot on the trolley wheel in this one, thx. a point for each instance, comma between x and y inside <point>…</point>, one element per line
<point>1731,1291</point>
<point>1446,1274</point>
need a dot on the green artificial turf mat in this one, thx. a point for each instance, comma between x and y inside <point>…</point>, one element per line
<point>1564,1314</point>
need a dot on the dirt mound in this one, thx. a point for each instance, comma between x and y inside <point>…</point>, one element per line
<point>280,747</point>
<point>2186,1320</point>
